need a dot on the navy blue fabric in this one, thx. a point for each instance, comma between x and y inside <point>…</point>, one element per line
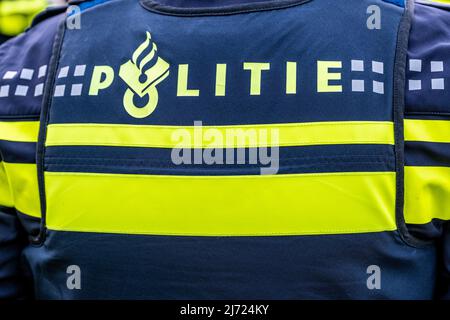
<point>49,12</point>
<point>82,6</point>
<point>428,116</point>
<point>13,284</point>
<point>204,41</point>
<point>18,152</point>
<point>30,50</point>
<point>30,224</point>
<point>445,266</point>
<point>208,3</point>
<point>432,230</point>
<point>305,267</point>
<point>427,154</point>
<point>129,266</point>
<point>230,267</point>
<point>429,41</point>
<point>226,7</point>
<point>336,158</point>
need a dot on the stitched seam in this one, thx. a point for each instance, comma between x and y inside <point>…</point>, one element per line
<point>204,127</point>
<point>196,12</point>
<point>279,176</point>
<point>318,232</point>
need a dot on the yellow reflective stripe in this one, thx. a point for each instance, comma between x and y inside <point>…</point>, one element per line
<point>289,134</point>
<point>427,130</point>
<point>21,7</point>
<point>297,204</point>
<point>427,189</point>
<point>16,15</point>
<point>24,187</point>
<point>13,25</point>
<point>19,131</point>
<point>5,193</point>
<point>427,194</point>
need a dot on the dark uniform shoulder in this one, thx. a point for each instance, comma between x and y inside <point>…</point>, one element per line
<point>47,14</point>
<point>23,66</point>
<point>428,89</point>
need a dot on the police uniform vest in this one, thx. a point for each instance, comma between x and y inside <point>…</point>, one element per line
<point>246,151</point>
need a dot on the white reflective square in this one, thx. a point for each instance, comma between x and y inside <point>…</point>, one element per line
<point>357,65</point>
<point>437,66</point>
<point>21,91</point>
<point>378,67</point>
<point>9,75</point>
<point>76,90</point>
<point>358,85</point>
<point>378,87</point>
<point>415,85</point>
<point>27,74</point>
<point>42,71</point>
<point>4,91</point>
<point>59,91</point>
<point>63,72</point>
<point>39,90</point>
<point>80,70</point>
<point>415,65</point>
<point>438,84</point>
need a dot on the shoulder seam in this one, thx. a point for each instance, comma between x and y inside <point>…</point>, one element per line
<point>46,14</point>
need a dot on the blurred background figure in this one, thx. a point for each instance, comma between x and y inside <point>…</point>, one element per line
<point>16,15</point>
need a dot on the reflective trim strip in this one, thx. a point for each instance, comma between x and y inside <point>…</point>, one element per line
<point>441,1</point>
<point>427,194</point>
<point>297,204</point>
<point>5,193</point>
<point>17,15</point>
<point>19,180</point>
<point>24,187</point>
<point>291,134</point>
<point>427,130</point>
<point>20,131</point>
<point>21,7</point>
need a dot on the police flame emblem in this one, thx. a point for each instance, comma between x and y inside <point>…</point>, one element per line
<point>142,74</point>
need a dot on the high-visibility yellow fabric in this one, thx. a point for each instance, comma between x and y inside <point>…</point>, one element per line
<point>17,15</point>
<point>22,131</point>
<point>24,187</point>
<point>19,180</point>
<point>427,189</point>
<point>441,1</point>
<point>296,204</point>
<point>427,130</point>
<point>427,194</point>
<point>5,192</point>
<point>290,134</point>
